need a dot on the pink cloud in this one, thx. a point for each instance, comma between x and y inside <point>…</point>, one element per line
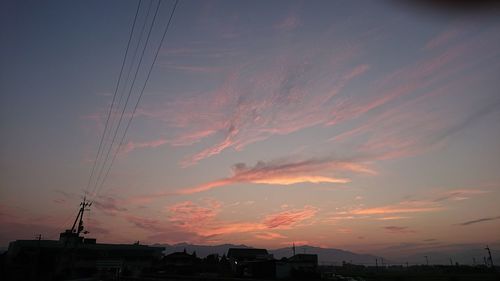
<point>250,123</point>
<point>131,146</point>
<point>188,212</point>
<point>264,97</point>
<point>239,119</point>
<point>287,219</point>
<point>443,38</point>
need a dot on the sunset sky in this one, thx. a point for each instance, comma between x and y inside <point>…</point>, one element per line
<point>361,125</point>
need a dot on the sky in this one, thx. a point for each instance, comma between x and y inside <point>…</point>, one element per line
<point>368,126</point>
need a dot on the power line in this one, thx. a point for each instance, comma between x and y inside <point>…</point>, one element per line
<point>114,96</point>
<point>142,90</point>
<point>134,56</point>
<point>127,100</point>
<point>131,66</point>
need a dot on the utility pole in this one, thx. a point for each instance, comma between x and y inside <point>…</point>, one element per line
<point>293,248</point>
<point>427,260</point>
<point>489,254</point>
<point>79,218</point>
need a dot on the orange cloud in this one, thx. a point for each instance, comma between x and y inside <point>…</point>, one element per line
<point>202,221</point>
<point>396,209</point>
<point>392,218</point>
<point>269,236</point>
<point>285,173</point>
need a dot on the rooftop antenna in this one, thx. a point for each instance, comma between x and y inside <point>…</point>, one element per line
<point>79,218</point>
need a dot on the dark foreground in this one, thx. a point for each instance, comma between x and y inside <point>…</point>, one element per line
<point>360,273</point>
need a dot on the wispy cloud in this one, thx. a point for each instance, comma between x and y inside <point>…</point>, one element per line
<point>398,229</point>
<point>290,218</point>
<point>250,107</point>
<point>201,220</point>
<point>479,221</point>
<point>145,223</point>
<point>460,194</point>
<point>286,172</point>
<point>269,236</point>
<point>109,205</point>
<point>392,218</point>
<point>402,209</point>
<point>290,22</point>
<point>188,212</point>
<point>131,146</point>
<point>195,68</point>
<point>443,37</point>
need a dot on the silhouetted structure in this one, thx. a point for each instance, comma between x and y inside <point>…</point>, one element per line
<point>74,256</point>
<point>47,259</point>
<point>302,266</point>
<point>181,263</point>
<point>250,262</point>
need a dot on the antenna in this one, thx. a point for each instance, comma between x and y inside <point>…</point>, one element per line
<point>79,218</point>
